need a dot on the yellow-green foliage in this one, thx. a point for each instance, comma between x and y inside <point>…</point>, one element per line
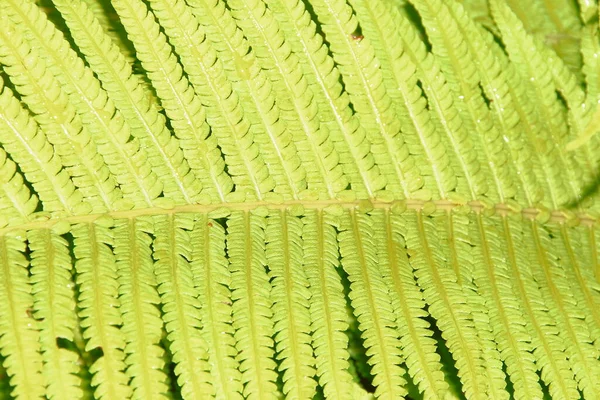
<point>300,199</point>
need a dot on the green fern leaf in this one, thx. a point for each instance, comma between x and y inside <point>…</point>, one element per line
<point>304,199</point>
<point>19,335</point>
<point>142,325</point>
<point>212,281</point>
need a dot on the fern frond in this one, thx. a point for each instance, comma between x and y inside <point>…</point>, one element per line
<point>541,157</point>
<point>549,349</point>
<point>538,80</point>
<point>252,303</point>
<point>418,348</point>
<point>447,305</point>
<point>579,275</point>
<point>180,308</point>
<point>228,119</point>
<point>400,81</point>
<point>363,82</point>
<point>198,146</point>
<point>563,14</point>
<point>532,13</point>
<point>183,109</point>
<point>308,199</point>
<point>451,51</point>
<point>293,96</point>
<point>109,21</point>
<point>56,117</point>
<point>277,128</point>
<point>98,304</point>
<point>589,239</point>
<point>493,81</point>
<point>479,11</point>
<point>506,316</point>
<point>588,9</point>
<point>291,299</point>
<point>53,305</point>
<point>327,304</point>
<point>445,114</point>
<point>212,280</point>
<point>590,48</point>
<point>371,302</point>
<point>28,147</point>
<point>123,156</point>
<point>455,240</point>
<point>345,132</point>
<point>581,115</point>
<point>17,204</point>
<point>127,93</point>
<point>19,335</point>
<point>563,308</point>
<point>142,326</point>
<point>272,130</point>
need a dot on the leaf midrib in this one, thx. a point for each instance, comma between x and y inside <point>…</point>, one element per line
<point>541,215</point>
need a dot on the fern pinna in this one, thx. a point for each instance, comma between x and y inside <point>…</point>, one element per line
<point>303,199</point>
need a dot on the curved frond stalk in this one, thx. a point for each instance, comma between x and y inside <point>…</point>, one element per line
<point>130,97</point>
<point>506,315</point>
<point>549,349</point>
<point>293,96</point>
<point>17,203</point>
<point>229,121</point>
<point>400,80</point>
<point>98,308</point>
<point>28,147</point>
<point>291,299</point>
<point>56,117</point>
<point>537,77</point>
<point>124,157</point>
<point>371,303</point>
<point>563,308</point>
<point>447,304</point>
<point>212,280</point>
<point>445,115</point>
<point>332,103</point>
<point>19,335</point>
<point>252,304</point>
<point>418,347</point>
<point>362,78</point>
<point>181,308</point>
<point>460,73</point>
<point>53,305</point>
<point>327,304</point>
<point>142,326</point>
<point>175,94</point>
